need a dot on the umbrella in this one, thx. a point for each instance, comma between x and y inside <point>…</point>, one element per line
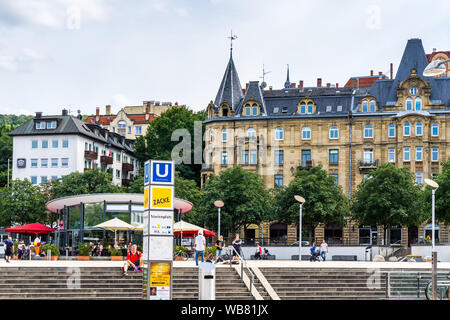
<point>139,227</point>
<point>190,230</point>
<point>33,228</point>
<point>114,225</point>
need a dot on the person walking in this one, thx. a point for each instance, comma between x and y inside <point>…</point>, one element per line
<point>200,244</point>
<point>324,250</point>
<point>237,248</point>
<point>9,245</point>
<point>258,253</point>
<point>219,248</point>
<point>313,252</point>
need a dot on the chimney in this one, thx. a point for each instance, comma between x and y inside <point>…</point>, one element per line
<point>300,85</point>
<point>147,113</point>
<point>337,85</point>
<point>328,85</point>
<point>293,85</point>
<point>246,88</point>
<point>270,88</point>
<point>434,49</point>
<point>108,110</point>
<point>38,115</point>
<point>371,72</point>
<point>380,73</point>
<point>64,112</point>
<point>392,71</point>
<point>97,114</point>
<point>319,82</point>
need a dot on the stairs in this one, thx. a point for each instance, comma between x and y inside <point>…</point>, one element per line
<point>258,285</point>
<point>229,285</point>
<point>69,283</point>
<point>322,283</point>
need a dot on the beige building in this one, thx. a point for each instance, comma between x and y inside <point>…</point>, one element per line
<point>403,121</point>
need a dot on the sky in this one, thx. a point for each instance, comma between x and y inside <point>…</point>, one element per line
<point>83,54</point>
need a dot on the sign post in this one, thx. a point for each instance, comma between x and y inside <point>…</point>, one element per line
<point>159,181</point>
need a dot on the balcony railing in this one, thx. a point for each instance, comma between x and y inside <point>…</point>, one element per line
<point>306,165</point>
<point>368,164</point>
<point>105,160</point>
<point>126,182</point>
<point>126,167</point>
<point>91,155</point>
<point>207,167</point>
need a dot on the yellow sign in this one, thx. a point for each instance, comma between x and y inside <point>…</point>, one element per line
<point>160,274</point>
<point>161,198</point>
<point>146,191</point>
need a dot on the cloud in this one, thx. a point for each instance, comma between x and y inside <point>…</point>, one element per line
<point>20,62</point>
<point>181,12</point>
<point>121,100</point>
<point>8,63</point>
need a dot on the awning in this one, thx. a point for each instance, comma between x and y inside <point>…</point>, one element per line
<point>33,228</point>
<point>430,226</point>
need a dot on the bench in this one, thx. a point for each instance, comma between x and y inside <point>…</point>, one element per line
<point>304,257</point>
<point>344,258</point>
<point>269,257</point>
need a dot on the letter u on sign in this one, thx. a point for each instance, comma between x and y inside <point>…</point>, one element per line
<point>162,172</point>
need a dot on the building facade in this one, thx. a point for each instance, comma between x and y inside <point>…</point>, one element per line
<point>131,121</point>
<point>402,120</point>
<point>51,147</point>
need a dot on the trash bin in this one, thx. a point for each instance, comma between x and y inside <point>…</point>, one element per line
<point>369,253</point>
<point>206,281</point>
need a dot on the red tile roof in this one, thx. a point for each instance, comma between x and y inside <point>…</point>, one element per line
<point>431,55</point>
<point>366,81</point>
<point>136,118</point>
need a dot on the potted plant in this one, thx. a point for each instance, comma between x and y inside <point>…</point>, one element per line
<point>16,246</point>
<point>179,252</point>
<point>54,250</point>
<point>116,254</point>
<point>84,251</point>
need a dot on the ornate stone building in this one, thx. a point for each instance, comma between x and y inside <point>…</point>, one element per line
<point>402,120</point>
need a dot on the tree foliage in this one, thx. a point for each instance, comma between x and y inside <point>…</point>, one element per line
<point>325,201</point>
<point>442,196</point>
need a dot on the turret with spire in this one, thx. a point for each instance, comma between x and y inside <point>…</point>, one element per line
<point>287,84</point>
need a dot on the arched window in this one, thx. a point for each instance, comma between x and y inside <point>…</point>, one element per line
<point>302,108</point>
<point>409,104</point>
<point>254,109</point>
<point>279,134</point>
<point>334,132</point>
<point>372,106</point>
<point>306,133</point>
<point>365,106</point>
<point>247,109</point>
<point>419,127</point>
<point>368,131</point>
<point>418,103</point>
<point>310,108</point>
<point>391,130</point>
<point>251,132</point>
<point>406,129</point>
<point>435,129</point>
<point>225,111</point>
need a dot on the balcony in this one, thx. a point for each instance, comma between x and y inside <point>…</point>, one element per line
<point>207,167</point>
<point>306,165</point>
<point>105,160</point>
<point>126,182</point>
<point>367,164</point>
<point>91,155</point>
<point>126,167</point>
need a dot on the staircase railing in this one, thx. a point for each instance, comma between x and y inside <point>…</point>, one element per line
<point>243,264</point>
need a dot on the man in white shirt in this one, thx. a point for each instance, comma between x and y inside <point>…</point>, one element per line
<point>323,249</point>
<point>200,244</point>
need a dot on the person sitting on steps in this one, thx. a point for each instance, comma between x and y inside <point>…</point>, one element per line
<point>134,260</point>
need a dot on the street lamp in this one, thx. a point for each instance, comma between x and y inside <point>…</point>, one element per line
<point>301,200</point>
<point>219,204</point>
<point>435,68</point>
<point>434,187</point>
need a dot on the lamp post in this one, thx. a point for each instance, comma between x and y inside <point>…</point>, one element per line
<point>435,68</point>
<point>219,204</point>
<point>434,187</point>
<point>301,200</point>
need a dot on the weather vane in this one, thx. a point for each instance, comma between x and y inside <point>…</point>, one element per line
<point>232,37</point>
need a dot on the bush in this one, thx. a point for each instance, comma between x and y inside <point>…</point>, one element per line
<point>84,249</point>
<point>16,246</point>
<point>210,250</point>
<point>114,252</point>
<point>52,247</point>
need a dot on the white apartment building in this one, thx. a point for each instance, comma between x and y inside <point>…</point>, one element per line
<point>51,147</point>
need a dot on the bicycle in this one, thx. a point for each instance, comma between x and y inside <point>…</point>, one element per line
<point>441,283</point>
<point>181,255</point>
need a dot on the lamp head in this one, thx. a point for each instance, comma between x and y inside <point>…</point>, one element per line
<point>434,68</point>
<point>431,183</point>
<point>218,203</point>
<point>299,199</point>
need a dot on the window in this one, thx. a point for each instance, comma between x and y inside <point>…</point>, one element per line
<point>253,157</point>
<point>64,162</point>
<point>275,110</point>
<point>435,129</point>
<point>54,162</point>
<point>335,177</point>
<point>418,103</point>
<point>334,132</point>
<point>303,108</point>
<point>118,174</point>
<point>278,181</point>
<point>409,104</point>
<point>65,143</point>
<point>54,143</point>
<point>279,157</point>
<point>44,144</point>
<point>406,129</point>
<point>44,163</point>
<point>406,154</point>
<point>419,127</point>
<point>413,91</point>
<point>368,155</point>
<point>224,135</point>
<point>435,154</point>
<point>419,178</point>
<point>210,135</point>
<point>306,158</point>
<point>251,132</point>
<point>54,178</point>
<point>51,125</point>
<point>247,110</point>
<point>40,125</point>
<point>279,133</point>
<point>368,131</point>
<point>310,108</point>
<point>328,108</point>
<point>129,129</point>
<point>306,133</point>
<point>391,155</point>
<point>365,106</point>
<point>34,163</point>
<point>122,125</point>
<point>372,106</point>
<point>34,144</point>
<point>33,179</point>
<point>254,109</point>
<point>334,156</point>
<point>418,153</point>
<point>391,130</point>
<point>339,108</point>
<point>245,157</point>
<point>118,156</point>
<point>43,179</point>
<point>138,130</point>
<point>224,158</point>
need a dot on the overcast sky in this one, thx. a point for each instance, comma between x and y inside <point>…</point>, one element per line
<point>83,54</point>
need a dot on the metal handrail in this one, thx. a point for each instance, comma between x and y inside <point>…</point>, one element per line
<point>244,262</point>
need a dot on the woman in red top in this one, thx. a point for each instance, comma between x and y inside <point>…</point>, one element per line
<point>134,260</point>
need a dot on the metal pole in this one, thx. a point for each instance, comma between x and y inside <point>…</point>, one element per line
<point>218,224</point>
<point>8,174</point>
<point>300,234</point>
<point>433,249</point>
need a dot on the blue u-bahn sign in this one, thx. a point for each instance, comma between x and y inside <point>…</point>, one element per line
<point>162,172</point>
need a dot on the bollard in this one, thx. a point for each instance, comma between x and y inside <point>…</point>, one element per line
<point>49,254</point>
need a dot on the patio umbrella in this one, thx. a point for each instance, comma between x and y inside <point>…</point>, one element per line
<point>139,227</point>
<point>190,230</point>
<point>114,225</point>
<point>33,228</point>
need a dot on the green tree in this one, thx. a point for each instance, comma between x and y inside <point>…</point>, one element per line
<point>388,198</point>
<point>157,143</point>
<point>22,203</point>
<point>246,200</point>
<point>325,201</point>
<point>442,195</point>
<point>5,148</point>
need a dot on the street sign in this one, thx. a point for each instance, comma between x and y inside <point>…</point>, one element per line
<point>161,197</point>
<point>162,172</point>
